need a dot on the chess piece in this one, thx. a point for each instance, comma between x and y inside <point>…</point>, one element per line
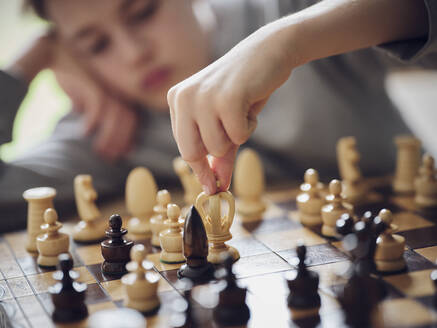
<point>160,215</point>
<point>345,224</point>
<point>38,199</point>
<point>52,242</point>
<point>217,226</point>
<point>171,238</point>
<point>190,183</point>
<point>407,163</point>
<point>433,277</point>
<point>426,184</point>
<point>304,299</point>
<point>389,247</point>
<point>249,185</point>
<point>115,250</point>
<point>141,283</point>
<point>348,157</point>
<point>140,198</point>
<point>115,318</point>
<point>332,211</point>
<point>91,228</point>
<point>309,200</point>
<point>68,296</point>
<point>195,247</point>
<point>231,309</point>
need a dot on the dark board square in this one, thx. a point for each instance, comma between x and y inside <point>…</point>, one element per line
<point>422,237</point>
<point>416,262</point>
<point>316,255</point>
<point>95,294</point>
<point>96,271</point>
<point>429,214</point>
<point>271,225</point>
<point>172,278</point>
<point>289,205</point>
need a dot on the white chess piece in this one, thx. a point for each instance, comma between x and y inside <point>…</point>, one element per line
<point>92,227</point>
<point>407,163</point>
<point>334,209</point>
<point>348,157</point>
<point>249,185</point>
<point>389,247</point>
<point>38,199</point>
<point>140,195</point>
<point>310,200</point>
<point>141,284</point>
<point>51,242</point>
<point>163,198</point>
<point>171,238</point>
<point>217,226</point>
<point>426,184</point>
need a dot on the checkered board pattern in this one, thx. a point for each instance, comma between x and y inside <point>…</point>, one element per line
<point>267,249</point>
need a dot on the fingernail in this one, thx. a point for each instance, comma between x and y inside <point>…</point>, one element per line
<point>208,190</point>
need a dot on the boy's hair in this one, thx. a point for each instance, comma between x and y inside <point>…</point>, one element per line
<point>38,7</point>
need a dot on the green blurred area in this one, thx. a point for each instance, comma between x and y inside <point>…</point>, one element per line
<point>45,103</point>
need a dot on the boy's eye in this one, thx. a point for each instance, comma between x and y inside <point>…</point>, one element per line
<point>143,13</point>
<point>99,46</point>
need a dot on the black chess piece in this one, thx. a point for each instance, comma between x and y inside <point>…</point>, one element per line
<point>303,285</point>
<point>195,246</point>
<point>345,224</point>
<point>231,309</point>
<point>67,295</point>
<point>433,277</point>
<point>115,249</point>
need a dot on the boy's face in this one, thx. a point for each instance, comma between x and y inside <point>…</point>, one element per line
<point>139,48</point>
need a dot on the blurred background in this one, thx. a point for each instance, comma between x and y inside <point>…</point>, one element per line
<point>414,91</point>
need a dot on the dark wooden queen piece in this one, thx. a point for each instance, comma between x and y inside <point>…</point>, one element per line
<point>68,296</point>
<point>116,249</point>
<point>195,247</point>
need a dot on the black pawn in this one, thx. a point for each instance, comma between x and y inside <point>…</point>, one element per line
<point>116,249</point>
<point>345,224</point>
<point>195,247</point>
<point>303,285</point>
<point>231,309</point>
<point>68,296</point>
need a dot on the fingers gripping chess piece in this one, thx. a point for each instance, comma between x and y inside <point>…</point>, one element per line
<point>348,157</point>
<point>407,163</point>
<point>115,250</point>
<point>249,185</point>
<point>309,200</point>
<point>91,228</point>
<point>171,238</point>
<point>52,242</point>
<point>68,296</point>
<point>141,283</point>
<point>38,199</point>
<point>332,211</point>
<point>141,192</point>
<point>426,184</point>
<point>217,225</point>
<point>160,215</point>
<point>190,183</point>
<point>389,247</point>
<point>304,299</point>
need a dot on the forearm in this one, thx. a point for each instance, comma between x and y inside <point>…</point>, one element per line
<point>333,27</point>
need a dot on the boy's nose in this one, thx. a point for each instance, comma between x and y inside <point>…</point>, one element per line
<point>134,50</point>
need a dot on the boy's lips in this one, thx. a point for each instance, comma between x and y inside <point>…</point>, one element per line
<point>156,78</point>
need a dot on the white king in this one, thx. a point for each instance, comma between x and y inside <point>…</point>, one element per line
<point>217,226</point>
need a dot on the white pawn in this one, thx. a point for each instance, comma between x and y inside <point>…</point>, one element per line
<point>407,163</point>
<point>335,208</point>
<point>309,200</point>
<point>190,183</point>
<point>141,283</point>
<point>426,184</point>
<point>163,198</point>
<point>389,247</point>
<point>249,185</point>
<point>140,198</point>
<point>52,242</point>
<point>171,238</point>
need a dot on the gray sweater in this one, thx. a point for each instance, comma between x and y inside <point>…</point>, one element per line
<point>298,128</point>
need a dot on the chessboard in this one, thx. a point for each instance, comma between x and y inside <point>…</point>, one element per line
<point>267,249</point>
